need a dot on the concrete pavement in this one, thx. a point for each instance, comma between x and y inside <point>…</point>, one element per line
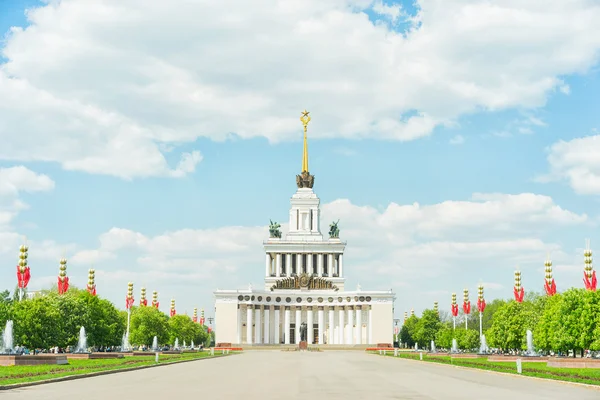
<point>310,376</point>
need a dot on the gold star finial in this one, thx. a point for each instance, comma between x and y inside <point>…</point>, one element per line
<point>305,118</point>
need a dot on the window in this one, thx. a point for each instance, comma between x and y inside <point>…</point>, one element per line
<point>304,257</point>
<point>311,221</point>
<point>315,258</point>
<point>325,266</point>
<point>294,262</point>
<point>283,259</point>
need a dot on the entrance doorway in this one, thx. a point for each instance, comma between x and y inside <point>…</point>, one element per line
<point>292,333</point>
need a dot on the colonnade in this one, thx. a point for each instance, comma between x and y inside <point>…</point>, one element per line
<point>318,264</point>
<point>263,324</point>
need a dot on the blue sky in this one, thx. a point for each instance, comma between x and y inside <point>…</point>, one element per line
<point>105,105</point>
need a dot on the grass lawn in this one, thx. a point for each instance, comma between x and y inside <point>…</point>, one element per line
<point>21,374</point>
<point>580,375</point>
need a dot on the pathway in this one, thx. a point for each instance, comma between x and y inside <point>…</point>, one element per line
<point>311,376</point>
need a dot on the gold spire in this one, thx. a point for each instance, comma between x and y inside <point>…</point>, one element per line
<point>305,118</point>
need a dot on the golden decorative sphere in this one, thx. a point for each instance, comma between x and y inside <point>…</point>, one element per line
<point>23,249</point>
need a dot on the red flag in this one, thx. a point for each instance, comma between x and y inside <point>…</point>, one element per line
<point>481,305</point>
<point>63,285</point>
<point>23,276</point>
<point>590,283</point>
<point>454,310</point>
<point>467,307</point>
<point>519,294</point>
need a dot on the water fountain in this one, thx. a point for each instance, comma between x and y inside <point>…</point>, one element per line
<point>6,346</point>
<point>433,349</point>
<point>192,345</point>
<point>454,346</point>
<point>416,346</point>
<point>155,344</point>
<point>530,351</point>
<point>483,347</point>
<point>176,345</point>
<point>125,346</point>
<point>184,344</point>
<point>82,343</point>
<point>8,356</point>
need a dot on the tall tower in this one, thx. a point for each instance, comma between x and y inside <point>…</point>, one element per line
<point>303,249</point>
<point>304,222</point>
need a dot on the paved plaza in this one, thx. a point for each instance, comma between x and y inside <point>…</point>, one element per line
<point>292,375</point>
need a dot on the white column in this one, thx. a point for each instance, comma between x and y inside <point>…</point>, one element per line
<point>267,333</point>
<point>267,264</point>
<point>310,332</point>
<point>309,263</point>
<point>320,264</point>
<point>370,327</point>
<point>350,326</point>
<point>257,325</point>
<point>278,265</point>
<point>330,264</point>
<point>286,327</point>
<point>340,271</point>
<point>239,324</point>
<point>330,337</point>
<point>298,321</point>
<point>298,264</point>
<point>341,329</point>
<point>288,265</point>
<point>358,325</point>
<point>321,319</point>
<point>276,326</point>
<point>249,324</point>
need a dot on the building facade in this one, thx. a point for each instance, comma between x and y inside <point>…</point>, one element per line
<point>304,283</point>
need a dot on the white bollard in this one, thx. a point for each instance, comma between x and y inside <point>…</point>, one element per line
<point>519,366</point>
<point>156,357</point>
<point>384,352</point>
<point>380,352</point>
<point>212,351</point>
<point>421,356</point>
<point>227,351</point>
<point>395,352</point>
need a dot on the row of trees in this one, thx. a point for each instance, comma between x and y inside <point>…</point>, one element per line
<point>563,322</point>
<point>51,319</point>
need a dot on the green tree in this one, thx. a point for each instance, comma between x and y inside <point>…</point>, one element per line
<point>147,322</point>
<point>426,328</point>
<point>37,323</point>
<point>5,308</point>
<point>183,328</point>
<point>547,330</point>
<point>488,314</point>
<point>444,336</point>
<point>511,322</point>
<point>407,331</point>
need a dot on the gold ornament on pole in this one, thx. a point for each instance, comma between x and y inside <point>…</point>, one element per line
<point>436,308</point>
<point>589,275</point>
<point>155,299</point>
<point>91,285</point>
<point>143,300</point>
<point>549,283</point>
<point>173,311</point>
<point>518,290</point>
<point>405,316</point>
<point>305,179</point>
<point>63,279</point>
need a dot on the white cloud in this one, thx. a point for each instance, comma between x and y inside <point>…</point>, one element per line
<point>458,139</point>
<point>400,246</point>
<point>13,181</point>
<point>578,162</point>
<point>119,86</point>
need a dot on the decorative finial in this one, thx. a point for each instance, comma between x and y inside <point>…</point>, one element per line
<point>91,286</point>
<point>63,279</point>
<point>518,290</point>
<point>454,305</point>
<point>173,312</point>
<point>155,299</point>
<point>480,299</point>
<point>589,275</point>
<point>305,179</point>
<point>549,283</point>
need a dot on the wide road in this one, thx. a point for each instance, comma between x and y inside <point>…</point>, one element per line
<point>328,375</point>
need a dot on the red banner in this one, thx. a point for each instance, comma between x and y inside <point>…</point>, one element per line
<point>173,312</point>
<point>23,276</point>
<point>481,305</point>
<point>590,283</point>
<point>550,288</point>
<point>129,302</point>
<point>143,302</point>
<point>454,310</point>
<point>63,285</point>
<point>467,307</point>
<point>519,294</point>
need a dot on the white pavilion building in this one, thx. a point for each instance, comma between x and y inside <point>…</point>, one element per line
<point>304,282</point>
